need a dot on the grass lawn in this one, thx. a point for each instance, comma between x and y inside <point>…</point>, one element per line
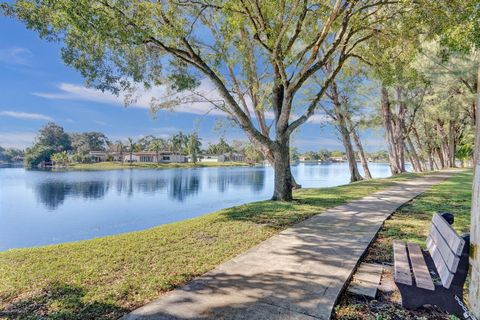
<point>106,277</point>
<point>119,165</point>
<point>411,223</point>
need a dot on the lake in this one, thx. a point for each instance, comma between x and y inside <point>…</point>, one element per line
<point>46,207</point>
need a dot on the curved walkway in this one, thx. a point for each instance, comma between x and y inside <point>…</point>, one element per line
<point>297,274</point>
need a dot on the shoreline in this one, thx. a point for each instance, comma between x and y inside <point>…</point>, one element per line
<point>99,166</point>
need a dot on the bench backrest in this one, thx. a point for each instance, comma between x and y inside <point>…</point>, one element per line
<point>445,247</point>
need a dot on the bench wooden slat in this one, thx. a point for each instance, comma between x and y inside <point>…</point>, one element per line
<point>420,269</point>
<point>445,275</point>
<point>402,267</point>
<point>454,241</point>
<point>450,258</point>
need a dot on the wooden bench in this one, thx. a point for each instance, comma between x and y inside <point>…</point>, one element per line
<point>435,276</point>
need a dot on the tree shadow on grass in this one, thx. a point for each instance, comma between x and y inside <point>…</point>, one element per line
<point>60,301</point>
<point>307,203</point>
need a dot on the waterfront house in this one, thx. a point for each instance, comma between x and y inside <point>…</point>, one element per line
<point>211,158</point>
<point>236,157</point>
<point>98,156</point>
<point>151,157</point>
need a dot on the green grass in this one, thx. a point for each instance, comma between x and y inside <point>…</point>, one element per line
<point>106,277</point>
<point>119,165</point>
<point>411,223</point>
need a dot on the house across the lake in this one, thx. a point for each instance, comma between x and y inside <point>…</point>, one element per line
<point>163,157</point>
<point>235,157</point>
<point>141,156</point>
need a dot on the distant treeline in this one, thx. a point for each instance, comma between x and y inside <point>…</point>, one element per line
<point>10,155</point>
<point>54,144</point>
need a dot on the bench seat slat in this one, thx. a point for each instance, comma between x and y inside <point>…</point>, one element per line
<point>420,269</point>
<point>445,275</point>
<point>402,267</point>
<point>454,241</point>
<point>450,258</point>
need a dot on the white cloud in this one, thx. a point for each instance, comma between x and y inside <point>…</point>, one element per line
<point>15,55</point>
<point>19,140</point>
<point>25,115</point>
<point>190,104</point>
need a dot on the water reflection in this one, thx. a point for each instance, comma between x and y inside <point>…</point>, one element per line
<point>180,185</point>
<point>253,179</point>
<point>184,186</point>
<point>53,193</point>
<point>91,204</point>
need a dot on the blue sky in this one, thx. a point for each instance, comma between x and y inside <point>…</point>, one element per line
<point>37,87</point>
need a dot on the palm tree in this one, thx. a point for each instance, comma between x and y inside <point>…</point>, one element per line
<point>178,142</point>
<point>156,145</point>
<point>131,147</point>
<point>193,146</point>
<point>119,148</point>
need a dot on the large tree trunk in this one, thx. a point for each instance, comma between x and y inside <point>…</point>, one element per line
<point>345,134</point>
<point>268,154</point>
<point>358,144</point>
<point>415,160</point>
<point>399,129</point>
<point>445,148</point>
<point>452,142</point>
<point>421,153</point>
<point>352,163</point>
<point>393,152</point>
<point>283,176</point>
<point>440,158</point>
<point>474,288</point>
<point>431,161</point>
<point>430,149</point>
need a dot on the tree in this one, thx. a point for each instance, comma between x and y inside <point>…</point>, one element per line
<point>456,23</point>
<point>464,153</point>
<point>258,55</point>
<point>54,136</point>
<point>221,147</point>
<point>50,139</point>
<point>337,154</point>
<point>37,154</point>
<point>60,158</point>
<point>10,154</point>
<point>474,288</point>
<point>339,115</point>
<point>131,148</point>
<point>157,145</point>
<point>252,154</point>
<point>294,155</point>
<point>88,141</point>
<point>119,147</point>
<point>193,146</point>
<point>324,155</point>
<point>311,156</point>
<point>178,143</point>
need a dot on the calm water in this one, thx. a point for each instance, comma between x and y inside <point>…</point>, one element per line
<point>41,207</point>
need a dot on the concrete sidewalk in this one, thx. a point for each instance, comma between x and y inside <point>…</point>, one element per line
<point>297,274</point>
